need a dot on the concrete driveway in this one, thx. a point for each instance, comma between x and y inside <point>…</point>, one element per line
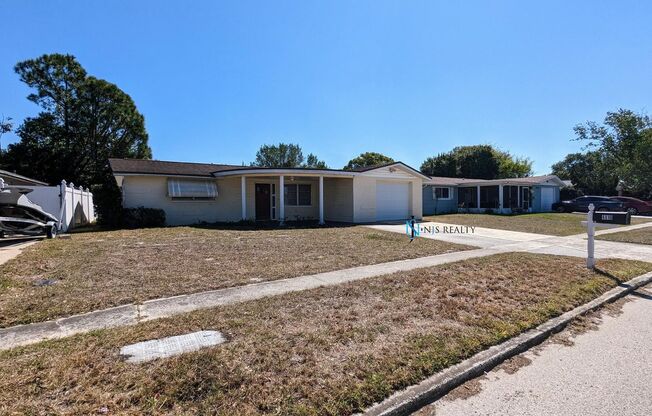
<point>605,371</point>
<point>505,241</point>
<point>13,246</point>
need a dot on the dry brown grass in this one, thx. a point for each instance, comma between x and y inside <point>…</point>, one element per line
<point>101,269</point>
<point>327,351</point>
<point>560,224</point>
<point>640,236</point>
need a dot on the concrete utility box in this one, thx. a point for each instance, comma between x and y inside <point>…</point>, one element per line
<point>623,218</point>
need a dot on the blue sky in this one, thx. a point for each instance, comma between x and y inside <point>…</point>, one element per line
<point>410,79</point>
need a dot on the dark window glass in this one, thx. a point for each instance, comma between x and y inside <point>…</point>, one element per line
<point>442,193</point>
<point>290,194</point>
<point>304,195</point>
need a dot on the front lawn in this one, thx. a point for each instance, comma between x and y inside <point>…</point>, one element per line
<point>560,224</point>
<point>96,270</point>
<point>640,236</point>
<point>327,351</point>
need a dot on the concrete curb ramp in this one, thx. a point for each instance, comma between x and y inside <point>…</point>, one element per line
<point>160,308</point>
<point>415,397</point>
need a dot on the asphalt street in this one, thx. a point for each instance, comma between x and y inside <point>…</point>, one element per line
<point>604,371</point>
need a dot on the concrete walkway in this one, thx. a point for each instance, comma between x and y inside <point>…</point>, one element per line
<point>506,241</point>
<point>159,308</point>
<point>604,372</point>
<point>12,247</point>
<point>626,228</point>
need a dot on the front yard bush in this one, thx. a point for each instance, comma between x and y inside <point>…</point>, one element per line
<point>142,217</point>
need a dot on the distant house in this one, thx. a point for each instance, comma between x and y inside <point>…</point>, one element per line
<point>203,192</point>
<point>530,194</point>
<point>11,178</point>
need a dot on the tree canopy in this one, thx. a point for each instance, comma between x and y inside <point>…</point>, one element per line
<point>368,159</point>
<point>83,122</point>
<point>286,155</point>
<point>6,124</point>
<point>623,144</point>
<point>478,162</point>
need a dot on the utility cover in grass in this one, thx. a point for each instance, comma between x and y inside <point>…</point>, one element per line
<point>170,346</point>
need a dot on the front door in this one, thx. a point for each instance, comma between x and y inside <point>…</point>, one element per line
<point>263,198</point>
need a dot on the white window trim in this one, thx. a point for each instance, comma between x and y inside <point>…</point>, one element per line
<point>450,193</point>
<point>298,206</point>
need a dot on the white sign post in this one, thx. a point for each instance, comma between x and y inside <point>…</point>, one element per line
<point>590,226</point>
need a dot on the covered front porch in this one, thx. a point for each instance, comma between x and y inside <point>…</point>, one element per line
<point>497,198</point>
<point>298,196</point>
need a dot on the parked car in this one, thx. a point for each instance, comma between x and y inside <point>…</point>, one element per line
<point>19,215</point>
<point>581,204</point>
<point>634,205</point>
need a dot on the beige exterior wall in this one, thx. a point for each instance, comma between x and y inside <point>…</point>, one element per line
<point>345,199</point>
<point>338,199</point>
<point>151,192</point>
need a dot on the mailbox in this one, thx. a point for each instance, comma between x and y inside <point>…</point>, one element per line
<point>604,217</point>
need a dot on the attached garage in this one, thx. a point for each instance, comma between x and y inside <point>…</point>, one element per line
<point>547,198</point>
<point>392,201</point>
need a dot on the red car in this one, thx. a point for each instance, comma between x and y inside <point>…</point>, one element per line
<point>634,205</point>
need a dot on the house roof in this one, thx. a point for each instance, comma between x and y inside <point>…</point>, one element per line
<point>529,180</point>
<point>443,180</point>
<point>15,179</point>
<point>162,167</point>
<point>167,168</point>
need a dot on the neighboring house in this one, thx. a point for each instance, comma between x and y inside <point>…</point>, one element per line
<point>16,179</point>
<point>199,192</point>
<point>530,194</point>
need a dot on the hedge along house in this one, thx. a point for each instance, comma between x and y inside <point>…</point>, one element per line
<point>530,194</point>
<point>191,193</point>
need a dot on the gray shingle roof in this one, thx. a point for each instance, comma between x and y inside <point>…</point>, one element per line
<point>161,167</point>
<point>530,180</point>
<point>15,179</point>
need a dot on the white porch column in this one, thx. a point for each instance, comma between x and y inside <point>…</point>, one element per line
<point>243,191</point>
<point>281,201</point>
<point>518,197</point>
<point>478,204</point>
<point>321,200</point>
<point>500,198</point>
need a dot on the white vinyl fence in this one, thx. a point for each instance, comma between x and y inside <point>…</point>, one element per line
<point>72,206</point>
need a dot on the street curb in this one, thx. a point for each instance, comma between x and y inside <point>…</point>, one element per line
<point>419,395</point>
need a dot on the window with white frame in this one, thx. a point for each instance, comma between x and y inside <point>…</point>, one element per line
<point>298,195</point>
<point>442,192</point>
<point>191,189</point>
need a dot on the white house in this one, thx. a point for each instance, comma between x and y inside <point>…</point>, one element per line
<point>199,192</point>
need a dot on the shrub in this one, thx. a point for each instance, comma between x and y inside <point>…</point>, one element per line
<point>108,202</point>
<point>142,217</point>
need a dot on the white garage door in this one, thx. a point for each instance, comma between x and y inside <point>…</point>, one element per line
<point>392,201</point>
<point>547,198</point>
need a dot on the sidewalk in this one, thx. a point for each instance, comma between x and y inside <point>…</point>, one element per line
<point>605,371</point>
